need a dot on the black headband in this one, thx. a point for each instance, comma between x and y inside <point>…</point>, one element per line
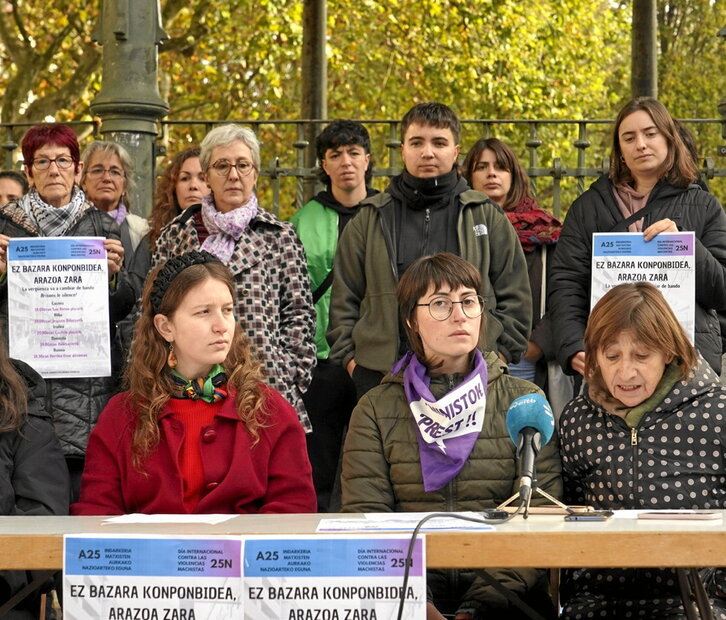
<point>173,267</point>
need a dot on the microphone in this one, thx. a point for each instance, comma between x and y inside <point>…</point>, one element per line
<point>530,424</point>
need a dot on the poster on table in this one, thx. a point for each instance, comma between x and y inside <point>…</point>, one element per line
<point>58,305</point>
<point>242,578</point>
<point>668,262</point>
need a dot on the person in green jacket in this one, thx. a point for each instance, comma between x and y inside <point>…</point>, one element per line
<point>433,436</point>
<point>428,208</point>
<point>344,152</point>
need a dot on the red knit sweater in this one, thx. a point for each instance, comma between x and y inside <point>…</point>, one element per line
<point>195,416</point>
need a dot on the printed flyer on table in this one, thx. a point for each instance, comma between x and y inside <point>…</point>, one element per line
<point>253,577</point>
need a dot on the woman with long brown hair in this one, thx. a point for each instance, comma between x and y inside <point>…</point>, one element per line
<point>650,189</point>
<point>492,167</point>
<point>196,411</point>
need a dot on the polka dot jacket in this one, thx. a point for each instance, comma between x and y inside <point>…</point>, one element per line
<point>674,458</point>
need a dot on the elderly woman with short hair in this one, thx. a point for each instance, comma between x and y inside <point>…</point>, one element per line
<point>273,301</point>
<point>647,433</point>
<point>57,207</point>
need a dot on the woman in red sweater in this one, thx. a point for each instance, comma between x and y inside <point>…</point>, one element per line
<point>197,431</point>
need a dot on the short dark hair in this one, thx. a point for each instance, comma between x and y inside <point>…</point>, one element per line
<point>506,160</point>
<point>435,269</point>
<point>18,177</point>
<point>343,133</point>
<point>433,114</point>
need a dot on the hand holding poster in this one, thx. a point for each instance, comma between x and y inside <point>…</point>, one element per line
<point>667,261</point>
<point>58,305</point>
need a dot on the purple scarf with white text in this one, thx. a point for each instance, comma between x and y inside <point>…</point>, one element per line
<point>448,427</point>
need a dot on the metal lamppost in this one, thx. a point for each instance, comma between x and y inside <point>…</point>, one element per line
<point>129,102</point>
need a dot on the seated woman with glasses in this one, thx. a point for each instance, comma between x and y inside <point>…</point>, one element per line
<point>197,432</point>
<point>57,207</point>
<point>272,291</point>
<point>392,463</point>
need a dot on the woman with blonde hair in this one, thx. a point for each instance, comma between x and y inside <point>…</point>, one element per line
<point>648,433</point>
<point>196,411</point>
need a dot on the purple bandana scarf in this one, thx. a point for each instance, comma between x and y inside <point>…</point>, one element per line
<point>119,214</point>
<point>225,229</point>
<point>449,427</point>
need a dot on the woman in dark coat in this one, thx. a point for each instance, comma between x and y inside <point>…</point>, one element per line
<point>57,207</point>
<point>650,189</point>
<point>492,167</point>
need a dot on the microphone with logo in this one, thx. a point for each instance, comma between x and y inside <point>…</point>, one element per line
<point>530,424</point>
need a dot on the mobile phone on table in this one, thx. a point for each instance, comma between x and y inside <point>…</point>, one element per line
<point>592,515</point>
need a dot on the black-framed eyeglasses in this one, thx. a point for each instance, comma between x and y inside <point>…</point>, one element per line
<point>98,172</point>
<point>222,167</point>
<point>43,163</point>
<point>441,308</point>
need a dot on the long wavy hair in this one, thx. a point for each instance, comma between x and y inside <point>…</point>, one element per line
<point>146,377</point>
<point>166,206</point>
<point>13,391</point>
<point>679,168</point>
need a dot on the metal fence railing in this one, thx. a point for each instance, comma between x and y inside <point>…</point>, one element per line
<point>561,156</point>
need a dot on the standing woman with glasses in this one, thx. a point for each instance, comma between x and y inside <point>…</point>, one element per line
<point>108,179</point>
<point>272,292</point>
<point>56,206</point>
<point>391,463</point>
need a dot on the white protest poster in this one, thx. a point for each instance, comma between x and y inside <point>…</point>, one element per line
<point>667,261</point>
<point>337,578</point>
<point>58,305</point>
<point>351,577</point>
<point>152,578</point>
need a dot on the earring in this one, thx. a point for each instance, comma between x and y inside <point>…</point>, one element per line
<point>622,159</point>
<point>171,360</point>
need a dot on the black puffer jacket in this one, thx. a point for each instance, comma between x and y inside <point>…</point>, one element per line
<point>690,208</point>
<point>674,458</point>
<point>75,404</point>
<point>33,474</point>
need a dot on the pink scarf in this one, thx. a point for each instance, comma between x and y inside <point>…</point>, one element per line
<point>225,229</point>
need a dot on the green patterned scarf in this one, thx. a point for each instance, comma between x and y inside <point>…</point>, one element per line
<point>209,389</point>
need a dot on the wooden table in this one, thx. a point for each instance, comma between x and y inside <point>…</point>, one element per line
<point>540,541</point>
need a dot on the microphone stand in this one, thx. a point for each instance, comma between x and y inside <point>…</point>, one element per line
<point>536,489</point>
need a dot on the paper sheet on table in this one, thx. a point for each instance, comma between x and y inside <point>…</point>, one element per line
<point>141,518</point>
<point>407,521</point>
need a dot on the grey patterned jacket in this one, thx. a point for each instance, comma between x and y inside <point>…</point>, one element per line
<point>273,303</point>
